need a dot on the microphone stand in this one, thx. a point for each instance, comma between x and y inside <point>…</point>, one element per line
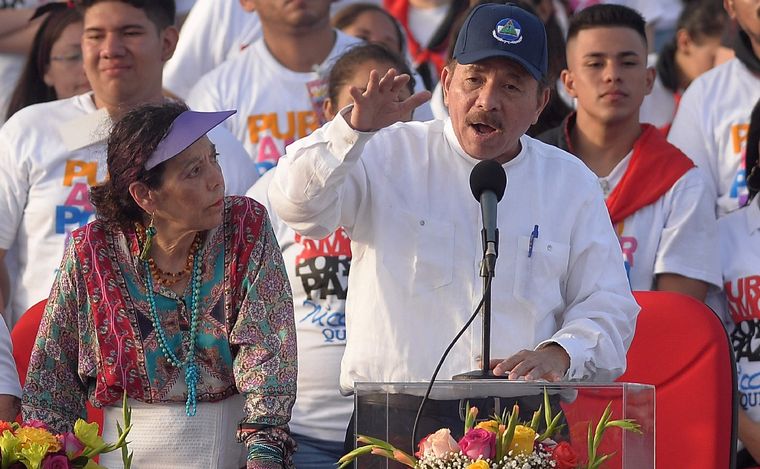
<point>488,272</point>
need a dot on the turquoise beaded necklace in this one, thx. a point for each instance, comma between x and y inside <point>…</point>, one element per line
<point>191,368</point>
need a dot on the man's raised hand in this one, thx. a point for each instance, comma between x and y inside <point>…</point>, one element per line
<point>380,106</point>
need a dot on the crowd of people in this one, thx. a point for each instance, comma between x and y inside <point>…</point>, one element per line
<point>236,211</point>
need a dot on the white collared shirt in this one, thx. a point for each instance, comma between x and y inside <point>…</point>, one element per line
<point>403,196</point>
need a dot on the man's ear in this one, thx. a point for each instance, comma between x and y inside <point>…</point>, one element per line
<point>543,101</point>
<point>142,196</point>
<point>568,80</point>
<point>446,81</point>
<point>651,75</point>
<point>169,38</point>
<point>248,5</point>
<point>728,5</point>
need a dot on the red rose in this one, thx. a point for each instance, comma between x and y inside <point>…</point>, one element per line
<point>564,455</point>
<point>5,426</point>
<point>478,442</point>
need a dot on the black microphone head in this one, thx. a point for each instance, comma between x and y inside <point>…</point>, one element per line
<point>488,175</point>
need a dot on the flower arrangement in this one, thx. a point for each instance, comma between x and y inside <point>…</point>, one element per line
<point>33,446</point>
<point>499,443</point>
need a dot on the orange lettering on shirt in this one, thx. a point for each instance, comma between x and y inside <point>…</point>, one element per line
<point>274,126</point>
<point>76,168</point>
<point>739,136</point>
<point>256,124</point>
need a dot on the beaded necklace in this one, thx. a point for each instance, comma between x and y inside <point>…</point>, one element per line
<point>191,368</point>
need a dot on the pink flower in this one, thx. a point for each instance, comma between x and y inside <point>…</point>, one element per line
<point>478,442</point>
<point>34,423</point>
<point>56,461</point>
<point>70,443</point>
<point>439,444</point>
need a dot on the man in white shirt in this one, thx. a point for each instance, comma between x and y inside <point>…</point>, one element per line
<point>711,124</point>
<point>275,83</point>
<point>52,152</point>
<point>562,308</point>
<point>661,222</point>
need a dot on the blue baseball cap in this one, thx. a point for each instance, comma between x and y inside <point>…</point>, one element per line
<point>497,30</point>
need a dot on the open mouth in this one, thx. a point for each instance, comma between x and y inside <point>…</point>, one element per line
<point>483,129</point>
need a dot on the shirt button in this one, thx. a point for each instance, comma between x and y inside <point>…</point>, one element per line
<point>549,247</point>
<point>422,222</point>
<point>348,141</point>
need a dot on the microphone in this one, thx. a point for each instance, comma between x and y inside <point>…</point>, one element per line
<point>488,181</point>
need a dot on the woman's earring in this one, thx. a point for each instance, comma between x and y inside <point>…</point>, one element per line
<point>150,232</point>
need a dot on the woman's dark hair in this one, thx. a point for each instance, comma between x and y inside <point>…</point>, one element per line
<point>344,68</point>
<point>131,142</point>
<point>752,152</point>
<point>31,87</point>
<point>348,15</point>
<point>700,19</point>
<point>161,12</point>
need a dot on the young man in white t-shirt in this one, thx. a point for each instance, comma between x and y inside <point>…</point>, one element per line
<point>661,222</point>
<point>275,83</point>
<point>51,153</point>
<point>711,124</point>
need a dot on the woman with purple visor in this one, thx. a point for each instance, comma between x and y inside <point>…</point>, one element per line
<point>177,295</point>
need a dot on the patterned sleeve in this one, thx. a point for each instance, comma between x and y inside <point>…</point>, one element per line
<point>54,391</point>
<point>265,366</point>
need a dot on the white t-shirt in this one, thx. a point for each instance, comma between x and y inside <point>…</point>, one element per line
<point>711,128</point>
<point>739,304</point>
<point>659,106</point>
<point>214,31</point>
<point>318,273</point>
<point>403,196</point>
<point>676,234</point>
<point>274,103</point>
<point>50,154</point>
<point>9,383</point>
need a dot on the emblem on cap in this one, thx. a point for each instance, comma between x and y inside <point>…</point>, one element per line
<point>508,31</point>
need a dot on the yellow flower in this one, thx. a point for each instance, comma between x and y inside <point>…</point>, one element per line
<point>478,465</point>
<point>30,435</point>
<point>34,453</point>
<point>522,442</point>
<point>489,425</point>
<point>88,434</point>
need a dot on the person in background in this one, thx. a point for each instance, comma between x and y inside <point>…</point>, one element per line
<point>53,68</point>
<point>427,25</point>
<point>660,222</point>
<point>283,73</point>
<point>689,54</point>
<point>711,123</point>
<point>176,295</point>
<point>373,23</point>
<point>318,271</point>
<point>51,153</point>
<point>740,256</point>
<point>562,305</point>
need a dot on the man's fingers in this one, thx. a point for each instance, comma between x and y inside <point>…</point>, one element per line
<point>411,103</point>
<point>386,83</point>
<point>373,84</point>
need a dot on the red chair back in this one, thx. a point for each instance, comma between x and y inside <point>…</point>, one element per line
<point>23,336</point>
<point>681,347</point>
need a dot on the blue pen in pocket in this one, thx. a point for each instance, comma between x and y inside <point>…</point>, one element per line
<point>533,237</point>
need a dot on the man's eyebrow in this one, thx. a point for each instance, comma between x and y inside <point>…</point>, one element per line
<point>120,28</point>
<point>599,55</point>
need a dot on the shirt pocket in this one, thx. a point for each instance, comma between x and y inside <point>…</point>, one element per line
<point>418,252</point>
<point>540,278</point>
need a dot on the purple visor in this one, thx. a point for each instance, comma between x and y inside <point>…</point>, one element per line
<point>186,129</point>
